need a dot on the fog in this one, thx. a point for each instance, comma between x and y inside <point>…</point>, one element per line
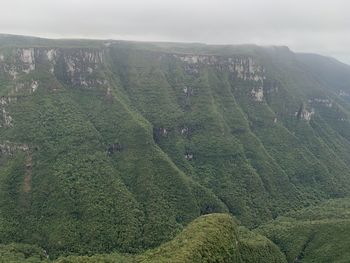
<point>316,26</point>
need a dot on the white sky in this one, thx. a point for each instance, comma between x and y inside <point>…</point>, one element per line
<point>318,26</point>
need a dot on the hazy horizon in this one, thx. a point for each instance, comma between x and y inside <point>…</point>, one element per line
<point>320,27</point>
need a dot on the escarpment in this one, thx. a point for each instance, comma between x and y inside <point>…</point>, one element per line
<point>112,145</point>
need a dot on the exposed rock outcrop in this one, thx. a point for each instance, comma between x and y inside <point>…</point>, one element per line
<point>244,68</point>
<point>320,101</point>
<point>305,114</point>
<point>9,148</point>
<point>258,93</point>
<point>80,65</point>
<point>6,120</point>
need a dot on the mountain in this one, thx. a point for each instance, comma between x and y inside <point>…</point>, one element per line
<point>116,146</point>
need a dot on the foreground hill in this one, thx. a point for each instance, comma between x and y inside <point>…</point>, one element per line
<point>210,238</point>
<point>116,146</point>
<point>314,234</point>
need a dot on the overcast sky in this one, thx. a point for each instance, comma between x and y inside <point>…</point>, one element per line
<point>318,26</point>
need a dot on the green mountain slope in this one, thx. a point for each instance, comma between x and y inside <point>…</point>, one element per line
<point>116,146</point>
<point>210,238</point>
<point>314,234</point>
<point>215,238</point>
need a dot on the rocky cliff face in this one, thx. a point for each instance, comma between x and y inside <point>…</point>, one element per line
<point>123,144</point>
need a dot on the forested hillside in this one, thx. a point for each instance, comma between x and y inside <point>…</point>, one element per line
<point>314,234</point>
<point>210,238</point>
<point>114,146</point>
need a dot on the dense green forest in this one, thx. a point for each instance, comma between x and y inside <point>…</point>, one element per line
<point>210,238</point>
<point>115,147</point>
<point>313,234</point>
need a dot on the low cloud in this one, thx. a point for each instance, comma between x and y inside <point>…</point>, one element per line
<point>318,26</point>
